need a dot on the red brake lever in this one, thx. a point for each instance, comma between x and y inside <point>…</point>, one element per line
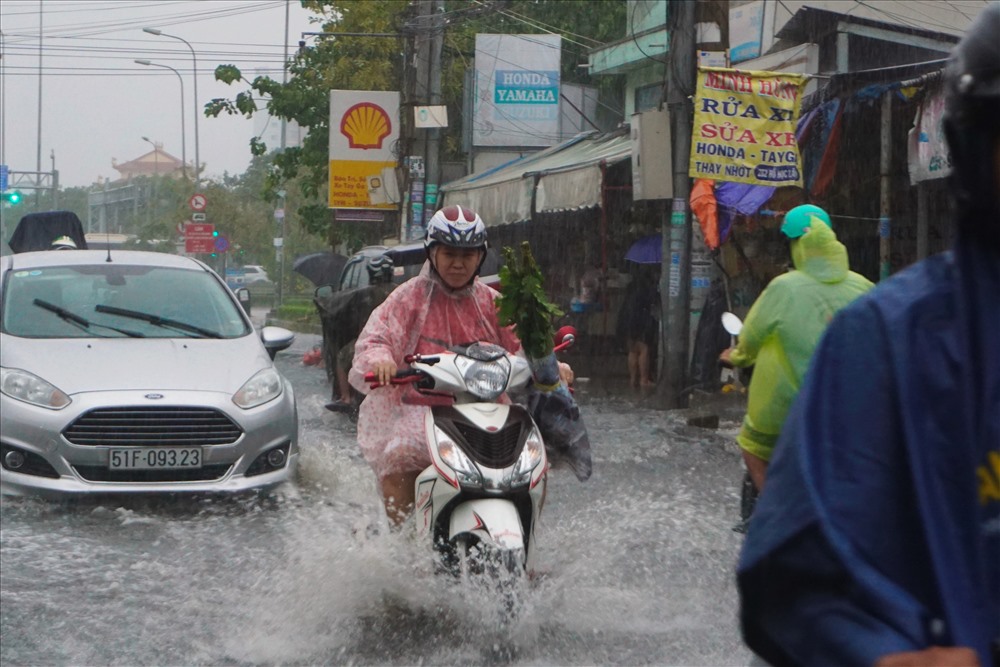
<point>412,376</point>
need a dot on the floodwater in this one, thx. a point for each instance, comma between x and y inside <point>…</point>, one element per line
<point>636,564</point>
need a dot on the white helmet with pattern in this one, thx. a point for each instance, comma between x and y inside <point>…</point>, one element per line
<point>456,226</point>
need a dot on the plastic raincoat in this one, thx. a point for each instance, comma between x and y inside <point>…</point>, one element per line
<point>879,528</point>
<point>424,316</point>
<point>783,327</point>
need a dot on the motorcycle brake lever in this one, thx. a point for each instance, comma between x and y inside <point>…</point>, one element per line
<point>430,361</point>
<point>404,376</point>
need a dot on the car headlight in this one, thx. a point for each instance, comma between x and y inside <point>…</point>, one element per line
<point>487,379</point>
<point>263,387</point>
<point>465,470</point>
<point>30,388</point>
<point>531,456</point>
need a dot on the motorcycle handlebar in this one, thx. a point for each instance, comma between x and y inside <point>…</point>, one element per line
<point>565,337</point>
<point>405,376</point>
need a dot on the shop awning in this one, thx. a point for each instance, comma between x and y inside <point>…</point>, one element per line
<point>564,177</point>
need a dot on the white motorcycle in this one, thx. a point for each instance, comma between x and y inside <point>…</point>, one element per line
<point>480,499</point>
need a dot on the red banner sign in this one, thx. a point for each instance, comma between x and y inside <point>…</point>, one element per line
<point>199,238</point>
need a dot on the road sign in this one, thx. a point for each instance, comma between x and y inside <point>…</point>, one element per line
<point>197,217</point>
<point>4,175</point>
<point>198,237</point>
<point>222,244</point>
<point>198,202</point>
<point>199,245</point>
<point>198,229</point>
<point>279,214</point>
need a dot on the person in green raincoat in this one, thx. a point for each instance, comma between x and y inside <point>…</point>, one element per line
<point>784,326</point>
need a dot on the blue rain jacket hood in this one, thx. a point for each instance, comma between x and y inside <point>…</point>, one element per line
<point>878,530</point>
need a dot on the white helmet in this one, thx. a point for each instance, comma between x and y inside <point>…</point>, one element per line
<point>63,243</point>
<point>456,226</point>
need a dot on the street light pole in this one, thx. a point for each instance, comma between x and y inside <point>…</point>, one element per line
<point>184,158</point>
<point>194,57</point>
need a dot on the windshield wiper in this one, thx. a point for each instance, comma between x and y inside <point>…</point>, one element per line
<point>157,320</point>
<point>81,322</point>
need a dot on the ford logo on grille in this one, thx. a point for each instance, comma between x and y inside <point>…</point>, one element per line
<point>154,397</point>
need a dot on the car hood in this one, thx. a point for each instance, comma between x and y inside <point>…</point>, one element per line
<point>77,365</point>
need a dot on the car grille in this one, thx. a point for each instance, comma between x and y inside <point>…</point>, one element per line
<point>152,427</point>
<point>496,449</point>
<point>103,474</point>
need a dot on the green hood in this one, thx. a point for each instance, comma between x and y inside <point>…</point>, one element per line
<point>819,254</point>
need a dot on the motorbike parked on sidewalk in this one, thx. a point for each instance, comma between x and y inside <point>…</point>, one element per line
<point>480,499</point>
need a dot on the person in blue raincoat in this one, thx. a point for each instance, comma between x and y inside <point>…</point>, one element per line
<point>877,537</point>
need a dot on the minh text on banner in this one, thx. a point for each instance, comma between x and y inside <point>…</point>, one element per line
<point>744,127</point>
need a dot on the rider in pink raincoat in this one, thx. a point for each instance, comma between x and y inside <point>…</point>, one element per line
<point>443,306</point>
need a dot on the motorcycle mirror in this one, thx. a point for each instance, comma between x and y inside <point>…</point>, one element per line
<point>564,337</point>
<point>732,324</point>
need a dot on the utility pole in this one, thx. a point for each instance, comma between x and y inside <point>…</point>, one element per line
<point>279,213</point>
<point>38,160</point>
<point>418,158</point>
<point>676,263</point>
<point>434,98</point>
<point>885,189</point>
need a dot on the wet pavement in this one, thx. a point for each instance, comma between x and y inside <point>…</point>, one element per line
<point>637,562</point>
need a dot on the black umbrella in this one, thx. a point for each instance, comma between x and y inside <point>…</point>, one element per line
<point>321,268</point>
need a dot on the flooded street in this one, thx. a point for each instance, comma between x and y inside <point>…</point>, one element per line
<point>637,564</point>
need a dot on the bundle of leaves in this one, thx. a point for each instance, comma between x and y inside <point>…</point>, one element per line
<point>523,303</point>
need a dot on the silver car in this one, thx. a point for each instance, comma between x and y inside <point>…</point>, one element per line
<point>136,372</point>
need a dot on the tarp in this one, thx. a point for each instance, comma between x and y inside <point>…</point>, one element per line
<point>568,178</point>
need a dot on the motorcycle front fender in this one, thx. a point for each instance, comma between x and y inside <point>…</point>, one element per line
<point>492,520</point>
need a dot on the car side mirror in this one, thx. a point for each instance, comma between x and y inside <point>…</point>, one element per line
<point>323,291</point>
<point>276,339</point>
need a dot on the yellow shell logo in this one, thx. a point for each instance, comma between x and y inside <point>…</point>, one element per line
<point>365,125</point>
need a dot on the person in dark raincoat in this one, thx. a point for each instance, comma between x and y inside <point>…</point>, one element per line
<point>343,314</point>
<point>877,537</point>
<point>360,303</point>
<point>638,327</point>
<point>37,231</point>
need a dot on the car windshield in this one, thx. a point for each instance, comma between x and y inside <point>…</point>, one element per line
<point>118,301</point>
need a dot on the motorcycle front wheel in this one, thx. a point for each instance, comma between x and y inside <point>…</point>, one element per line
<point>499,572</point>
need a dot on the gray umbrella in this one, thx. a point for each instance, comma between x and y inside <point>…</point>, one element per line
<point>321,268</point>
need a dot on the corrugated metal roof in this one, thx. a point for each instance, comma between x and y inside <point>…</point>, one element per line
<point>950,17</point>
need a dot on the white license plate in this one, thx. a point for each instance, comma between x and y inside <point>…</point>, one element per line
<point>154,458</point>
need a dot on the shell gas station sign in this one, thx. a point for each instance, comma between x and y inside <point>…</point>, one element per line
<point>364,129</point>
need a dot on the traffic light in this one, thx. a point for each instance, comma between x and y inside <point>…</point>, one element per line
<point>215,232</point>
<point>13,197</point>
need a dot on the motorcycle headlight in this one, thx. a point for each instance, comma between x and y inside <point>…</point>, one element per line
<point>263,387</point>
<point>465,470</point>
<point>30,388</point>
<point>487,379</point>
<point>531,456</point>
